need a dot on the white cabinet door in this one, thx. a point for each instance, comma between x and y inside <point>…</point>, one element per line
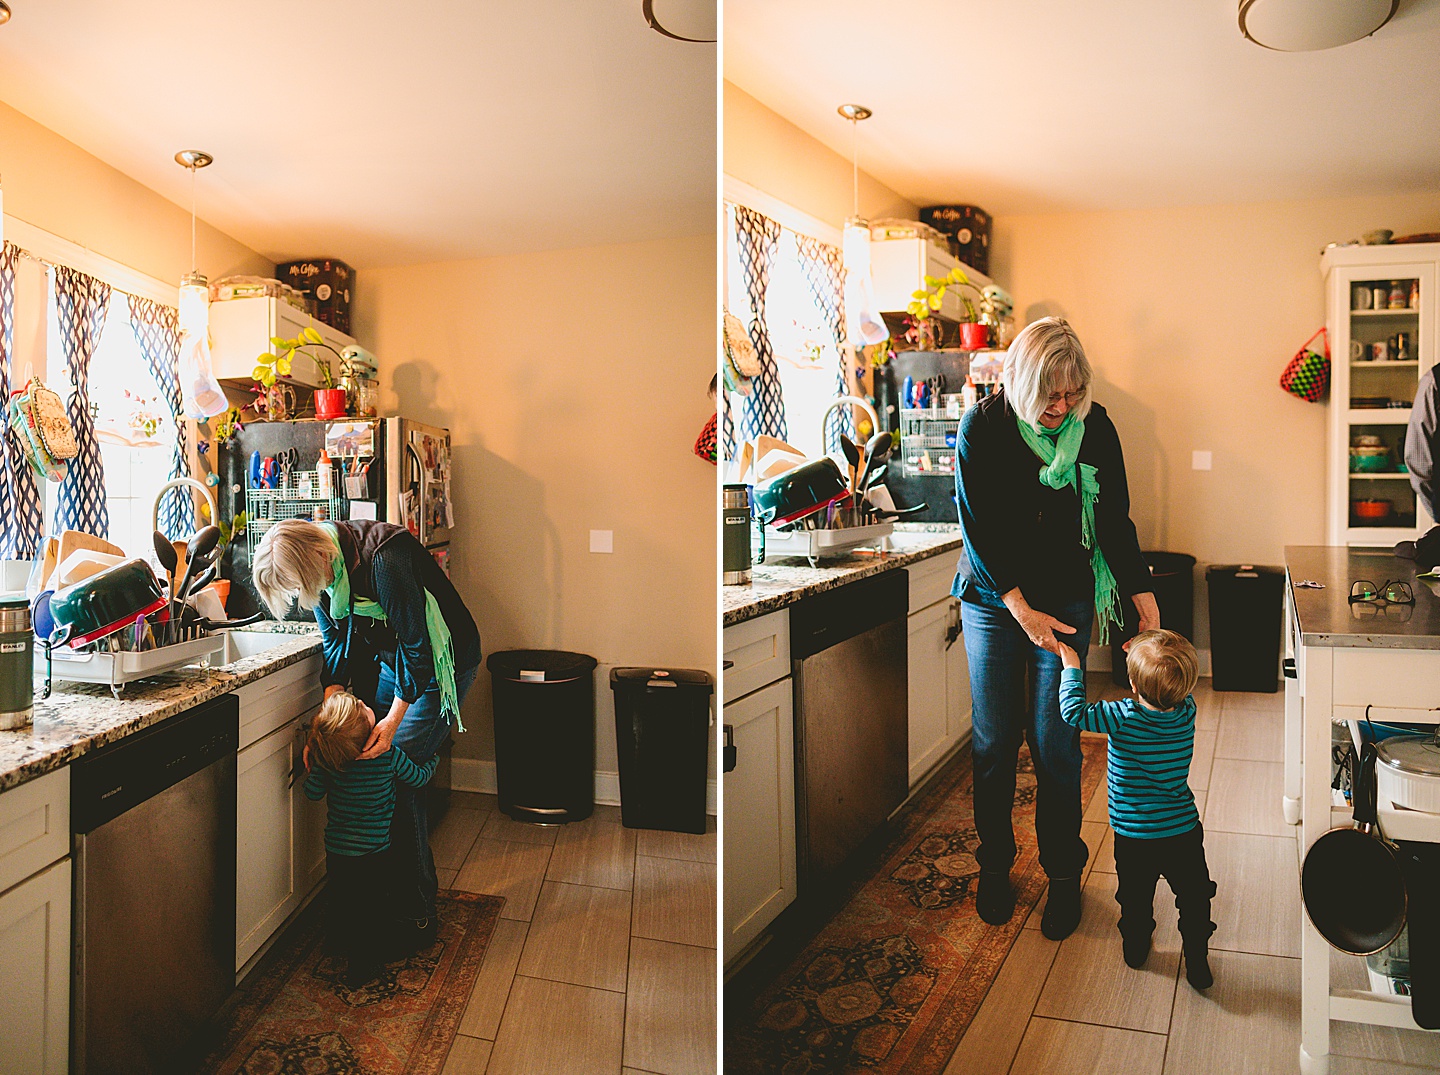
<point>35,974</point>
<point>240,330</point>
<point>265,855</point>
<point>759,814</point>
<point>309,824</point>
<point>930,734</point>
<point>957,680</point>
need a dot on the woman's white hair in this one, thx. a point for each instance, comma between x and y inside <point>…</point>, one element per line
<point>292,563</point>
<point>1046,356</point>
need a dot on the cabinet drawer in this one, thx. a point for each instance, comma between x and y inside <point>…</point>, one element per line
<point>34,826</point>
<point>930,580</point>
<point>759,650</point>
<point>281,696</point>
<point>1394,679</point>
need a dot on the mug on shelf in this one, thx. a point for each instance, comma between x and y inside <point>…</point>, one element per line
<point>1357,351</point>
<point>1360,300</point>
<point>1380,351</point>
<point>1380,296</point>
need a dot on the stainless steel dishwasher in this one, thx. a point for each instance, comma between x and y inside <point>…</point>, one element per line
<point>153,819</point>
<point>848,648</point>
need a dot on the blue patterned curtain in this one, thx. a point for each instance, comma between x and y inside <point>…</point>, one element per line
<point>824,269</point>
<point>157,331</point>
<point>763,410</point>
<point>22,519</point>
<point>81,302</point>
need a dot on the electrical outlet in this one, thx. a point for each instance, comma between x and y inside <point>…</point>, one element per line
<point>1200,460</point>
<point>602,541</point>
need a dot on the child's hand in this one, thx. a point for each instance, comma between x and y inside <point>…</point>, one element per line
<point>1068,657</point>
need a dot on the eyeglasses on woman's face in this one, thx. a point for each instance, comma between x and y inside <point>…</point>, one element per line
<point>1068,398</point>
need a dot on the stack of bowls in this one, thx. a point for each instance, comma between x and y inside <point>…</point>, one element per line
<point>1369,459</point>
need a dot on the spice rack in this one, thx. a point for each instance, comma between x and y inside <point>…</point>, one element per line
<point>295,498</point>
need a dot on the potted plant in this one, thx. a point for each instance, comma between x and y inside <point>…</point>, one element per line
<point>974,328</point>
<point>272,365</point>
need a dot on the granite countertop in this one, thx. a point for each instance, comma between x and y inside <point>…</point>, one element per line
<point>783,580</point>
<point>1326,616</point>
<point>79,717</point>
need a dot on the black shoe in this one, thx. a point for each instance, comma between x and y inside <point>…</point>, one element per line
<point>1137,950</point>
<point>1197,966</point>
<point>1062,908</point>
<point>995,900</point>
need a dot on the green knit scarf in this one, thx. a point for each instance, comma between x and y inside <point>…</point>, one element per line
<point>1058,449</point>
<point>439,631</point>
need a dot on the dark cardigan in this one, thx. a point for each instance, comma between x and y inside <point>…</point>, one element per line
<point>1019,532</point>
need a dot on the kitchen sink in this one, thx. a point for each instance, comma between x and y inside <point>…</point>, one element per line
<point>240,644</point>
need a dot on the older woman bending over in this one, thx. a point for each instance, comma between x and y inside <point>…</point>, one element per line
<point>1049,548</point>
<point>395,631</point>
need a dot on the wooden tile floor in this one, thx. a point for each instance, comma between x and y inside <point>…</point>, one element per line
<point>603,962</point>
<point>1073,1006</point>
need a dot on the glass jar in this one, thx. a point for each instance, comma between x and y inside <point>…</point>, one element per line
<point>1398,295</point>
<point>1414,294</point>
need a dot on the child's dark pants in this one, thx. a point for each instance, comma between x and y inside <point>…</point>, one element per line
<point>1139,864</point>
<point>358,921</point>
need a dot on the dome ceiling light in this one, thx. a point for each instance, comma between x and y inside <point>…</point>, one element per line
<point>685,20</point>
<point>1312,25</point>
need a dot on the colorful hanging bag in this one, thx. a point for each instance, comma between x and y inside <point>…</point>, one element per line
<point>1308,374</point>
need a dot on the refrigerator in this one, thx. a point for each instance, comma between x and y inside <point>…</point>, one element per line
<point>393,469</point>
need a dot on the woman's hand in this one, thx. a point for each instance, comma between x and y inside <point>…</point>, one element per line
<point>1040,627</point>
<point>334,688</point>
<point>381,736</point>
<point>1149,615</point>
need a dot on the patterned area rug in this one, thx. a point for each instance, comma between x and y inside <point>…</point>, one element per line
<point>295,1016</point>
<point>893,980</point>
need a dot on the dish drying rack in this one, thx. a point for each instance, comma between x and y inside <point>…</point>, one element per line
<point>817,545</point>
<point>115,668</point>
<point>294,499</point>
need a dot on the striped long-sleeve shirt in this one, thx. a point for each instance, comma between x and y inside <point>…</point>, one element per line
<point>362,799</point>
<point>1148,764</point>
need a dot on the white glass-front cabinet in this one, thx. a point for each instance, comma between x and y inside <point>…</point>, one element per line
<point>1377,357</point>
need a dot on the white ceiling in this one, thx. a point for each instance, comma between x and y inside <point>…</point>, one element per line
<point>1029,106</point>
<point>385,133</point>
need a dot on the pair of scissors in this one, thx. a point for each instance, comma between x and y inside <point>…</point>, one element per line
<point>267,472</point>
<point>289,463</point>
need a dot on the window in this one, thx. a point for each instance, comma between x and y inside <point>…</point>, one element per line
<point>806,353</point>
<point>128,406</point>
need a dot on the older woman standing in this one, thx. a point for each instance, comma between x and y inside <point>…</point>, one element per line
<point>393,629</point>
<point>1049,547</point>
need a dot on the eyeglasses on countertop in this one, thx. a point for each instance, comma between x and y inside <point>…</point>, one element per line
<point>1391,593</point>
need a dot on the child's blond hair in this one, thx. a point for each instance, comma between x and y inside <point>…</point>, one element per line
<point>1163,668</point>
<point>339,731</point>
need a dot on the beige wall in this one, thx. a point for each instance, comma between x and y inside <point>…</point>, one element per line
<point>574,386</point>
<point>777,157</point>
<point>55,185</point>
<point>1189,316</point>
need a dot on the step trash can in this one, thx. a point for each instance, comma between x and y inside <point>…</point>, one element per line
<point>1245,614</point>
<point>662,735</point>
<point>1174,584</point>
<point>544,704</point>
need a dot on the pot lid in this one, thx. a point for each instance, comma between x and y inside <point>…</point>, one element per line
<point>1419,754</point>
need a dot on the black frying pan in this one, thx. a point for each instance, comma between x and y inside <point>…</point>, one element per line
<point>1352,882</point>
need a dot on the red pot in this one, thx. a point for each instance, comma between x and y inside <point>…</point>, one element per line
<point>974,336</point>
<point>329,403</point>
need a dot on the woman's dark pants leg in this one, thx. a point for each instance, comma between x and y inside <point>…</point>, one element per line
<point>1005,713</point>
<point>421,734</point>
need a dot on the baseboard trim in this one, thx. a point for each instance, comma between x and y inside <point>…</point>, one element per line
<point>476,774</point>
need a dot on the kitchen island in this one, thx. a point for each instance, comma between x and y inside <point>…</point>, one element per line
<point>1349,661</point>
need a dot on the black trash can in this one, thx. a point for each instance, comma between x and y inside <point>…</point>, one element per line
<point>544,734</point>
<point>662,734</point>
<point>1245,614</point>
<point>1174,583</point>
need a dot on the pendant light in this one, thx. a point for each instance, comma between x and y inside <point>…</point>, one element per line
<point>203,396</point>
<point>863,323</point>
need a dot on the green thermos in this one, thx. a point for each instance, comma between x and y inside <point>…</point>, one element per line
<point>17,670</point>
<point>735,516</point>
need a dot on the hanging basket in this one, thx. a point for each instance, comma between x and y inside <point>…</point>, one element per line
<point>1308,374</point>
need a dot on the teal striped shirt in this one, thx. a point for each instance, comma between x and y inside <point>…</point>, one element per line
<point>362,799</point>
<point>1148,766</point>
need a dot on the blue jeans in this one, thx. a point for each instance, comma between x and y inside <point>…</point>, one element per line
<point>421,733</point>
<point>1001,655</point>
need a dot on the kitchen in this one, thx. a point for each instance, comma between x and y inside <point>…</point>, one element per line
<point>1172,190</point>
<point>524,254</point>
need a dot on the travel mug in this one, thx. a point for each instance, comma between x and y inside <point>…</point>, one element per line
<point>17,670</point>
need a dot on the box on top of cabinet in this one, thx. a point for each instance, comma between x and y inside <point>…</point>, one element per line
<point>328,281</point>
